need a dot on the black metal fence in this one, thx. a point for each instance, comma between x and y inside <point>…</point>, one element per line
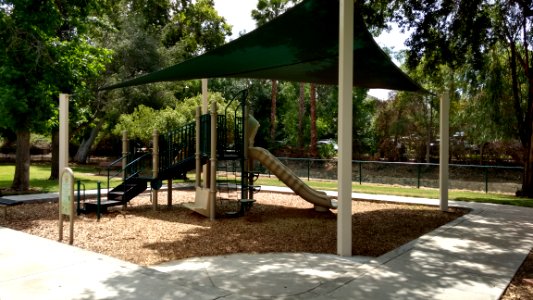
<point>487,178</point>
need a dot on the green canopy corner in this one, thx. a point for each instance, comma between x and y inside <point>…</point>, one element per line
<point>301,45</point>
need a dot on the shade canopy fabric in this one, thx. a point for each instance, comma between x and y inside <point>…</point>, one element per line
<point>302,45</point>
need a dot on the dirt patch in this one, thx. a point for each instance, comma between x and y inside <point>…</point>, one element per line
<point>521,287</point>
<point>275,223</point>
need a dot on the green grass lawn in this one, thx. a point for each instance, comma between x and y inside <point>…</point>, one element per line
<point>39,174</point>
<point>459,195</point>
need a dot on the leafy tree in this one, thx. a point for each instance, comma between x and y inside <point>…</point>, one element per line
<point>463,33</point>
<point>44,51</point>
<point>195,27</point>
<point>146,36</point>
<point>141,123</point>
<point>266,11</point>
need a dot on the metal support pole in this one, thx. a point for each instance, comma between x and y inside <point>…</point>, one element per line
<point>360,173</point>
<point>308,169</point>
<point>98,200</point>
<point>125,151</point>
<point>197,154</point>
<point>205,110</point>
<point>344,216</point>
<point>444,150</point>
<point>78,188</point>
<point>169,193</point>
<point>63,131</point>
<point>155,166</point>
<point>213,161</point>
<point>418,176</point>
<point>244,157</point>
<point>486,177</point>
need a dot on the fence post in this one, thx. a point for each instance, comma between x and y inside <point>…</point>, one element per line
<point>78,187</point>
<point>417,176</point>
<point>308,169</point>
<point>486,177</point>
<point>360,173</point>
<point>98,200</point>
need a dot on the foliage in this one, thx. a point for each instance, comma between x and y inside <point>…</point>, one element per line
<point>45,51</point>
<point>195,27</point>
<point>144,120</point>
<point>269,9</point>
<point>326,151</point>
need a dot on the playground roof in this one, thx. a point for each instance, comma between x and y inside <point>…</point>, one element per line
<point>301,45</point>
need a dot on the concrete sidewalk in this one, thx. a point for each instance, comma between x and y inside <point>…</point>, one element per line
<point>473,257</point>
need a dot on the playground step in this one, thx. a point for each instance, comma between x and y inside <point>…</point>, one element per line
<point>92,205</point>
<point>227,185</point>
<point>253,188</point>
<point>128,190</point>
<point>116,195</point>
<point>246,204</point>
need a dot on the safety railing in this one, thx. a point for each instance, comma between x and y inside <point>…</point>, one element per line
<point>176,145</point>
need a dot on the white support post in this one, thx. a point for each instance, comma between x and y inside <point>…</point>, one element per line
<point>63,149</point>
<point>63,131</point>
<point>205,96</point>
<point>344,211</point>
<point>205,110</point>
<point>213,162</point>
<point>444,149</point>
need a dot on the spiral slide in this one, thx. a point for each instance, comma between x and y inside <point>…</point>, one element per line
<point>319,199</point>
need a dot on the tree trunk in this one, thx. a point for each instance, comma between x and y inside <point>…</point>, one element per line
<point>301,108</point>
<point>85,146</point>
<point>314,135</point>
<point>273,111</point>
<point>54,170</point>
<point>21,181</point>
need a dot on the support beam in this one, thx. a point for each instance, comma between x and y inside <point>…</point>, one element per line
<point>125,151</point>
<point>155,167</point>
<point>344,216</point>
<point>213,163</point>
<point>63,132</point>
<point>444,149</point>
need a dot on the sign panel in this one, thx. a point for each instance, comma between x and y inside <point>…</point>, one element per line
<point>67,192</point>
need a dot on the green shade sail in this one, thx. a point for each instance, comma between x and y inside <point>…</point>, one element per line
<point>301,45</point>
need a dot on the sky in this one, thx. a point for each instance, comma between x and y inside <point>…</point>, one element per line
<point>238,14</point>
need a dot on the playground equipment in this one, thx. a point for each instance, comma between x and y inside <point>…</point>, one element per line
<point>321,201</point>
<point>213,140</point>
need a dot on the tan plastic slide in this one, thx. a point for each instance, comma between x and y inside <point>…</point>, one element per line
<point>290,179</point>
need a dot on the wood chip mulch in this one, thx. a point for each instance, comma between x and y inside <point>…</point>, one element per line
<point>275,223</point>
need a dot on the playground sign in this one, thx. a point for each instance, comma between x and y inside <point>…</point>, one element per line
<point>66,202</point>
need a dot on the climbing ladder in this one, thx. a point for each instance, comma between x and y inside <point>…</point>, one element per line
<point>227,185</point>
